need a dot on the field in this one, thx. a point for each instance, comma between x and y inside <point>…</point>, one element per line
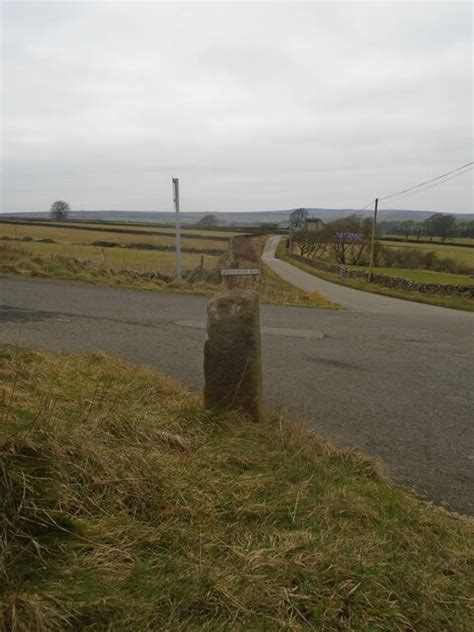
<point>224,234</point>
<point>420,276</point>
<point>452,301</point>
<point>126,506</point>
<point>129,250</point>
<point>69,235</point>
<point>129,265</point>
<point>122,258</point>
<point>468,241</point>
<point>458,253</point>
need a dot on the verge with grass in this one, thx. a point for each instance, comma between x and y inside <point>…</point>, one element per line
<point>125,506</point>
<point>454,302</point>
<point>24,261</point>
<point>144,270</point>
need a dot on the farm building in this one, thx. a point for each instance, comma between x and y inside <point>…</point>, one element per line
<point>313,225</point>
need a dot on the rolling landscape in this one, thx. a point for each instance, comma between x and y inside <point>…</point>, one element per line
<point>232,398</point>
<point>244,218</point>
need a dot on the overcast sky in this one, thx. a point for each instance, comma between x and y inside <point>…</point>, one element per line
<point>253,106</point>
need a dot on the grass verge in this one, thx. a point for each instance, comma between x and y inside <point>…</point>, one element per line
<point>20,259</point>
<point>454,302</point>
<point>125,506</point>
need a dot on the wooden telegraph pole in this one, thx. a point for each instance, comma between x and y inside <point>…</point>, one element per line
<point>178,227</point>
<point>372,241</point>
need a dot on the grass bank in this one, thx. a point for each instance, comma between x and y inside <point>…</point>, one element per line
<point>125,506</point>
<point>137,270</point>
<point>454,302</point>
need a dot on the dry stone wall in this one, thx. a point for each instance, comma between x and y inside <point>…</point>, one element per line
<point>466,291</point>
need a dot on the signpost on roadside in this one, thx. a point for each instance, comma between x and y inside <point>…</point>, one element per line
<point>178,227</point>
<point>240,271</point>
<point>230,273</point>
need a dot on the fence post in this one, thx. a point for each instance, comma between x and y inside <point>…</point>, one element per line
<point>232,354</point>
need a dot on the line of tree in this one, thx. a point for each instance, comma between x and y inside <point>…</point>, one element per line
<point>347,242</point>
<point>440,225</point>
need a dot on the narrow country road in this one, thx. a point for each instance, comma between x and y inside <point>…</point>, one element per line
<point>355,300</point>
<point>390,377</point>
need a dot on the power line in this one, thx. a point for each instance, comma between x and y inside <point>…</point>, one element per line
<point>366,206</point>
<point>433,185</point>
<point>417,186</point>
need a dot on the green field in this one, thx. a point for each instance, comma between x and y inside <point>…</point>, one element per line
<point>420,276</point>
<point>452,301</point>
<point>468,241</point>
<point>458,253</point>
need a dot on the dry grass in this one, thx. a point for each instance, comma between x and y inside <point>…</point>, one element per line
<point>124,268</point>
<point>145,260</point>
<point>274,290</point>
<point>186,228</point>
<point>125,506</point>
<point>270,287</point>
<point>71,236</point>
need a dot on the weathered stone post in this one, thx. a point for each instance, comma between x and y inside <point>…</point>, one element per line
<point>232,353</point>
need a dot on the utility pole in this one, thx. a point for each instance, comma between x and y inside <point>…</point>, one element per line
<point>290,236</point>
<point>372,241</point>
<point>178,227</point>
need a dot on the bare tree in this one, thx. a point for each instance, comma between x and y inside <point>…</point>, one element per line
<point>311,244</point>
<point>350,238</point>
<point>59,211</point>
<point>298,219</point>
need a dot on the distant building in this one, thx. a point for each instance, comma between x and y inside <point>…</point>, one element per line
<point>313,225</point>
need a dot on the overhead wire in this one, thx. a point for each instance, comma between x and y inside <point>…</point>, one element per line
<point>435,184</point>
<point>366,206</point>
<point>417,186</point>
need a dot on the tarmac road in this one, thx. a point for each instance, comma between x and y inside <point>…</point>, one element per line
<point>393,379</point>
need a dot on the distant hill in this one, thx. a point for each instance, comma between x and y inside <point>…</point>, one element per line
<point>247,218</point>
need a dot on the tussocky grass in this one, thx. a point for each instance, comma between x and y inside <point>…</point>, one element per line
<point>83,264</point>
<point>126,506</point>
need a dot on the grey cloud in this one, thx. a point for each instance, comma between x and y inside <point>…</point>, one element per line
<point>255,106</point>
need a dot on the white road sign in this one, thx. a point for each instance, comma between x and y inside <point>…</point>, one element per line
<point>240,271</point>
